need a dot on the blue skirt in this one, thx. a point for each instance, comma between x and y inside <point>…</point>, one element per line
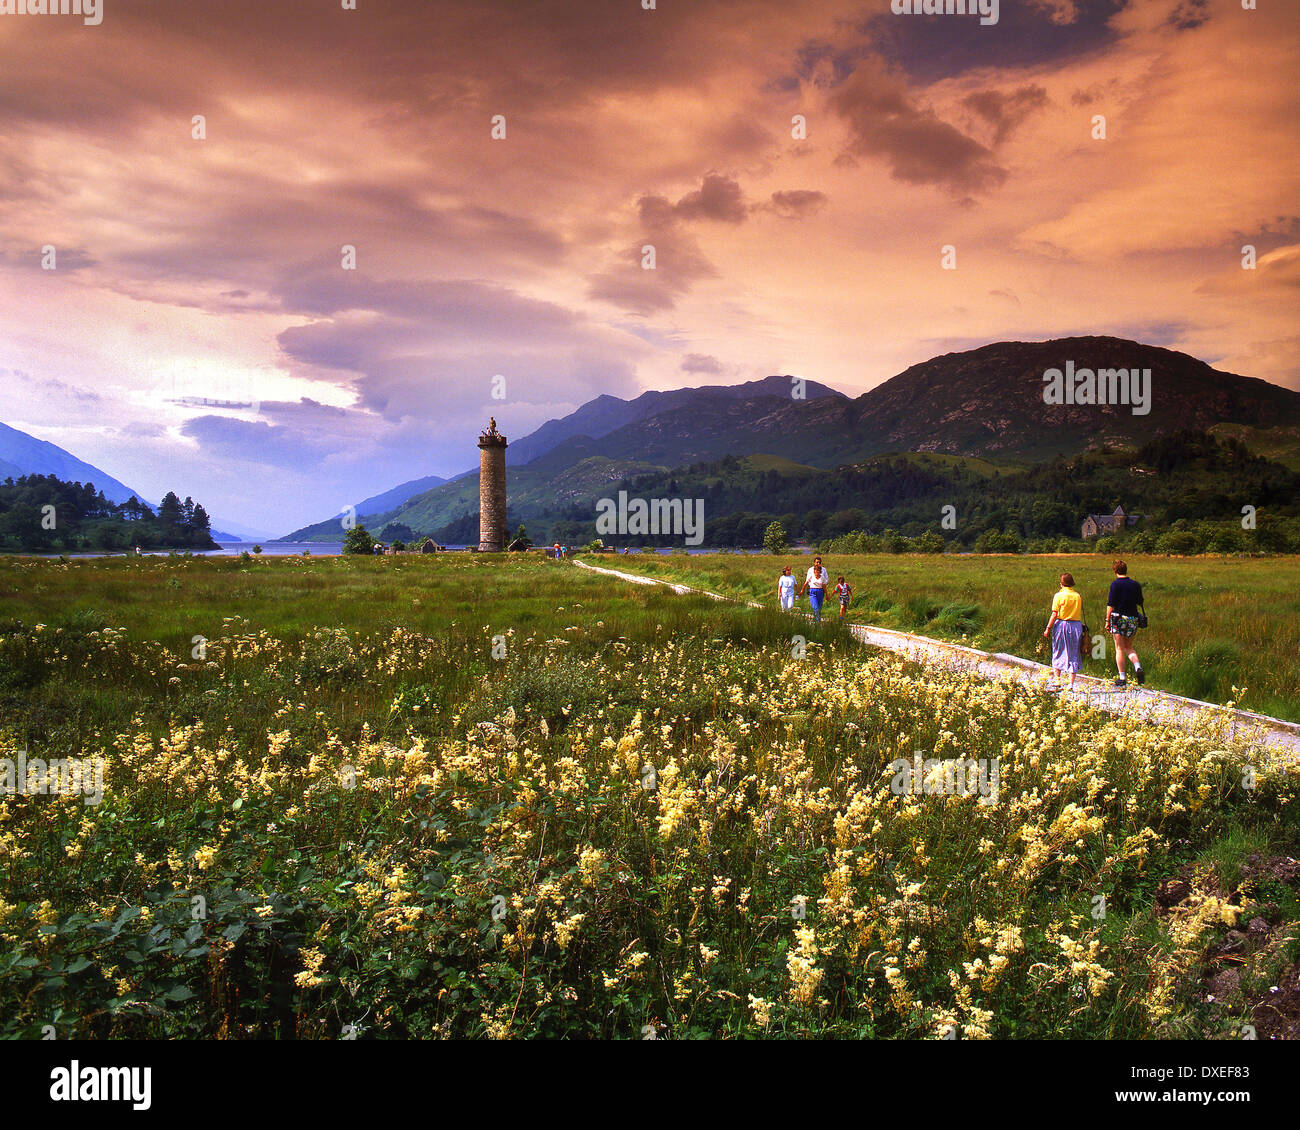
<point>1067,645</point>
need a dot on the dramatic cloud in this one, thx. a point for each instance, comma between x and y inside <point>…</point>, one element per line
<point>919,147</point>
<point>304,251</point>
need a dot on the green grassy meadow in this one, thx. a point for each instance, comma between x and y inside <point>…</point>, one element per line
<point>455,606</point>
<point>1216,623</point>
<point>502,797</point>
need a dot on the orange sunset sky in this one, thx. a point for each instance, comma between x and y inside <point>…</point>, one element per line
<point>212,268</point>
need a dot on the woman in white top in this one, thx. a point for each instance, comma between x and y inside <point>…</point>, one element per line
<point>785,589</point>
<point>816,581</point>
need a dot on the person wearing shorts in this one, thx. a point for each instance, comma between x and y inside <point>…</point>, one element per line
<point>785,589</point>
<point>815,584</point>
<point>1122,604</point>
<point>845,592</point>
<point>1065,629</point>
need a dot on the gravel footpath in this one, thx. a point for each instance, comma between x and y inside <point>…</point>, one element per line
<point>1141,702</point>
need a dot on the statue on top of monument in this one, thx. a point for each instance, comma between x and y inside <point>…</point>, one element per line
<point>491,430</point>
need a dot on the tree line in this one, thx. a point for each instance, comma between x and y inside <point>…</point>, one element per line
<point>43,513</point>
<point>1191,487</point>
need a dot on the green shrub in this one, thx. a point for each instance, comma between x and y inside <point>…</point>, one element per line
<point>999,541</point>
<point>1179,543</point>
<point>358,541</point>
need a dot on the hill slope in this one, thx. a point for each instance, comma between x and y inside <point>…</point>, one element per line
<point>985,402</point>
<point>989,401</point>
<point>22,454</point>
<point>395,496</point>
<point>607,414</point>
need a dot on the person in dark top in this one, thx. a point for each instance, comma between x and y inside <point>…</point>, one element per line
<point>1122,621</point>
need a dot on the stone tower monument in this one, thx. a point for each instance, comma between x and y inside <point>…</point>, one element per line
<point>492,536</point>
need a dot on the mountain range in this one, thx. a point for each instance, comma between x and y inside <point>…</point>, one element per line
<point>987,403</point>
<point>559,464</point>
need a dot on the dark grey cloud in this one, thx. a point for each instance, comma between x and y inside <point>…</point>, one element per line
<point>795,204</point>
<point>679,261</point>
<point>701,363</point>
<point>1005,111</point>
<point>262,233</point>
<point>919,147</point>
<point>75,392</point>
<point>34,258</point>
<point>718,198</point>
<point>413,348</point>
<point>1027,34</point>
<point>418,58</point>
<point>1190,14</point>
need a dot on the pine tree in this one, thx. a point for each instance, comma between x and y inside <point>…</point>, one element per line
<point>169,512</point>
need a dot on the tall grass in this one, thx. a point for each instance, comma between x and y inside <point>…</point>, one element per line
<point>1216,623</point>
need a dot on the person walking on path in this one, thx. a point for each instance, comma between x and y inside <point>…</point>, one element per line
<point>1065,629</point>
<point>815,584</point>
<point>845,592</point>
<point>785,589</point>
<point>1122,604</point>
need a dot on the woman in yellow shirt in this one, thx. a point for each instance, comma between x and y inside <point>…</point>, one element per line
<point>1065,629</point>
